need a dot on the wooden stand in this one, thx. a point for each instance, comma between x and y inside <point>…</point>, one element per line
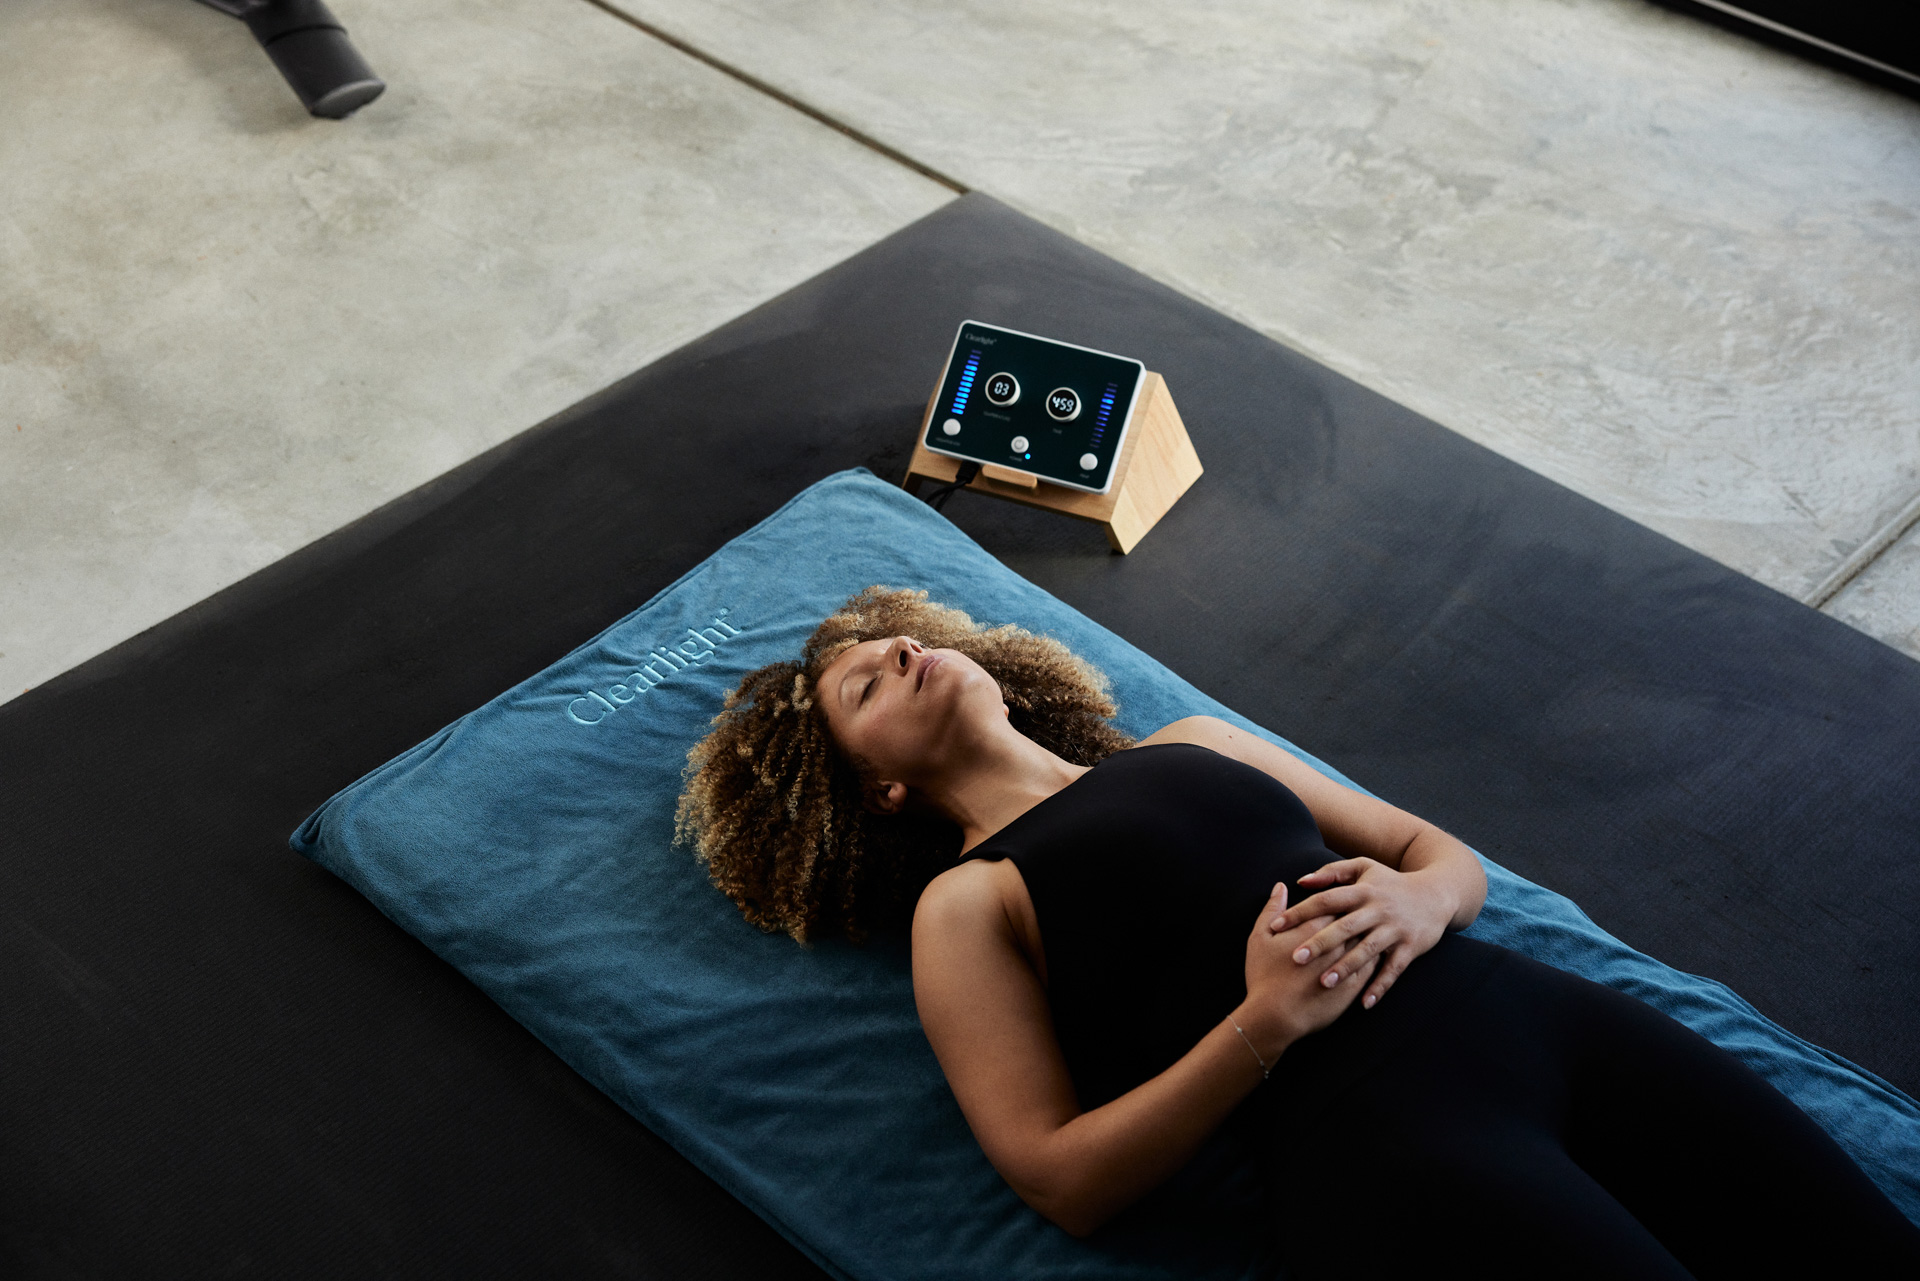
<point>1156,465</point>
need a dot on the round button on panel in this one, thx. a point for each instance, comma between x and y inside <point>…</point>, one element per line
<point>1063,404</point>
<point>951,426</point>
<point>1019,444</point>
<point>1002,389</point>
<point>1088,462</point>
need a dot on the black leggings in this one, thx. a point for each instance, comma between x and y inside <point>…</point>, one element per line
<point>1548,1126</point>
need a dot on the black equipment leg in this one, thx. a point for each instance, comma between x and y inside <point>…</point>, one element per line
<point>310,47</point>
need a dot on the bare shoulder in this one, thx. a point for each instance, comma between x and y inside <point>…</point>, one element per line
<point>967,895</point>
<point>1332,805</point>
<point>970,912</point>
<point>1201,731</point>
<point>1249,749</point>
<point>1352,822</point>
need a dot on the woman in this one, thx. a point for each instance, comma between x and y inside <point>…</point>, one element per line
<point>1115,944</point>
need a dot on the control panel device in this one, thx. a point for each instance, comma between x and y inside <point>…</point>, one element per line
<point>1051,409</point>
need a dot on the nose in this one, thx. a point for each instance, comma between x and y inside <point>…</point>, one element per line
<point>903,651</point>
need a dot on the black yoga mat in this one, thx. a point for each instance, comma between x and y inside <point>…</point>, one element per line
<point>218,1060</point>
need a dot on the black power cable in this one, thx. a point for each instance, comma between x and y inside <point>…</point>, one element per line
<point>310,47</point>
<point>938,498</point>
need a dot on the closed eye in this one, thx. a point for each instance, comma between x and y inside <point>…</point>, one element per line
<point>868,689</point>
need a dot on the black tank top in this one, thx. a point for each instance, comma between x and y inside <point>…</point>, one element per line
<point>1146,875</point>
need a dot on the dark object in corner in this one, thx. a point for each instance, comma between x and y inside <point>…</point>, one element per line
<point>311,49</point>
<point>1862,37</point>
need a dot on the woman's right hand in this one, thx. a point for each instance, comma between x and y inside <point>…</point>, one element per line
<point>1286,1001</point>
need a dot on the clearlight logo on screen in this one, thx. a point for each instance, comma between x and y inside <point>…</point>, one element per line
<point>661,662</point>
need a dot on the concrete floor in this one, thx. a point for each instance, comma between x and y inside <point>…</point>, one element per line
<point>227,328</point>
<point>1665,266</point>
<point>1884,600</point>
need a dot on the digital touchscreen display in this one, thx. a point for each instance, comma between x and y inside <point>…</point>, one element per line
<point>1050,408</point>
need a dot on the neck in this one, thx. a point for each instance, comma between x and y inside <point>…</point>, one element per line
<point>990,787</point>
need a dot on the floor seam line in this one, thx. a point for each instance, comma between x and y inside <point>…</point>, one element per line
<point>785,99</point>
<point>1865,554</point>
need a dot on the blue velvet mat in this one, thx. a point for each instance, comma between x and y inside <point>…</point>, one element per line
<point>529,844</point>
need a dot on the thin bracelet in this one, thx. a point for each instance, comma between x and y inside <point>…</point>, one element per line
<point>1264,1069</point>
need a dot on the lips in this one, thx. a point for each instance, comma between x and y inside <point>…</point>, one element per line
<point>926,665</point>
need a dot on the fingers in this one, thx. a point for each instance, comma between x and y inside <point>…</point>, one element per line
<point>1342,898</point>
<point>1361,951</point>
<point>1339,872</point>
<point>1391,968</point>
<point>1373,967</point>
<point>1307,929</point>
<point>1280,946</point>
<point>1277,904</point>
<point>1340,931</point>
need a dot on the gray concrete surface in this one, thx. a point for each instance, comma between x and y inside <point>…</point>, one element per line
<point>227,329</point>
<point>1664,265</point>
<point>1884,600</point>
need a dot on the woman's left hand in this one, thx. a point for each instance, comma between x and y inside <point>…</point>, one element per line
<point>1379,912</point>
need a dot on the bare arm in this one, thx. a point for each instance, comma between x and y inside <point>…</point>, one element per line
<point>976,980</point>
<point>1401,883</point>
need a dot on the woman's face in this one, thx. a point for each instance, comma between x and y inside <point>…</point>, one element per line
<point>905,709</point>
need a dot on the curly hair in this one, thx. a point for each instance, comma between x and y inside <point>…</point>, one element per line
<point>774,808</point>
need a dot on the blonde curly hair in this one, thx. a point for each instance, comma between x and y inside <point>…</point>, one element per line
<point>774,808</point>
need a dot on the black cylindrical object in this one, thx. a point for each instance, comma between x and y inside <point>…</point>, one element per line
<point>310,47</point>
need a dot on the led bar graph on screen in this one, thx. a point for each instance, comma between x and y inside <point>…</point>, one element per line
<point>965,389</point>
<point>1106,409</point>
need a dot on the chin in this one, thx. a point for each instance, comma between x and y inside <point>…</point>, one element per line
<point>970,691</point>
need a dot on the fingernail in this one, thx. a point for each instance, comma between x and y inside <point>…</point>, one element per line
<point>1330,977</point>
<point>1302,956</point>
<point>1368,1002</point>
